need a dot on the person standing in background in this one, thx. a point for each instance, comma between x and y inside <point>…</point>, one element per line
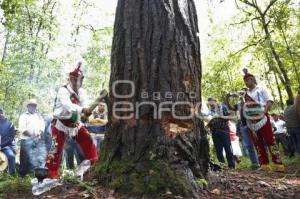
<point>281,135</point>
<point>220,131</point>
<point>96,124</point>
<point>8,143</point>
<point>33,150</point>
<point>258,103</point>
<point>293,124</point>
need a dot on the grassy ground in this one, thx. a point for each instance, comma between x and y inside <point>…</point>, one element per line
<point>9,184</point>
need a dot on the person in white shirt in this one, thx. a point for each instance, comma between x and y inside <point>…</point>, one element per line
<point>281,135</point>
<point>257,104</point>
<point>70,105</point>
<point>33,148</point>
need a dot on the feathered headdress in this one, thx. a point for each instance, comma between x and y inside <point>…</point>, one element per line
<point>77,72</point>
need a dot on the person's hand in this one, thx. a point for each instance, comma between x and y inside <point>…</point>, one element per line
<point>87,112</point>
<point>84,118</point>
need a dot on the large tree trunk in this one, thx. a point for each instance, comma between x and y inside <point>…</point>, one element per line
<point>156,47</point>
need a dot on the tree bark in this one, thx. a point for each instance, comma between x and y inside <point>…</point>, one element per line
<point>156,47</point>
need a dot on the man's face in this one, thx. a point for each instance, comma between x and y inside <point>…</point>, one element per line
<point>76,82</point>
<point>250,82</point>
<point>212,103</point>
<point>101,108</point>
<point>275,117</point>
<point>31,108</point>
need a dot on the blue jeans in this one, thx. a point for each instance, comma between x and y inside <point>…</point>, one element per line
<point>221,139</point>
<point>10,153</point>
<point>33,154</point>
<point>96,130</point>
<point>98,140</point>
<point>295,134</point>
<point>46,136</point>
<point>247,142</point>
<point>72,149</point>
<point>244,148</point>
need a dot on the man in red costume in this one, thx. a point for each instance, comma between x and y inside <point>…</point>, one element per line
<point>70,104</point>
<point>257,104</point>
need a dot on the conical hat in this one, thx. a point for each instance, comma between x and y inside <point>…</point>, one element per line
<point>3,161</point>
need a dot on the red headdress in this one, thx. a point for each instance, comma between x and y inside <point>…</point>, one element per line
<point>77,72</point>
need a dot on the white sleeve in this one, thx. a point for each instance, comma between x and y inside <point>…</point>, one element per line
<point>23,123</point>
<point>42,123</point>
<point>63,95</point>
<point>266,95</point>
<point>84,98</point>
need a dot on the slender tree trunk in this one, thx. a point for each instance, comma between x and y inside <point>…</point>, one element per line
<point>273,68</point>
<point>156,47</point>
<point>288,48</point>
<point>282,68</point>
<point>270,86</point>
<point>279,91</point>
<point>5,46</point>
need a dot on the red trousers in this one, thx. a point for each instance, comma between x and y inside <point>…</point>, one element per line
<point>85,142</point>
<point>264,140</point>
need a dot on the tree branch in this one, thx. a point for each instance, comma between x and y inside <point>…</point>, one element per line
<point>269,6</point>
<point>248,46</point>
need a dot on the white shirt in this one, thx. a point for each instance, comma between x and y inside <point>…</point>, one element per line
<point>280,126</point>
<point>32,123</point>
<point>64,107</point>
<point>260,95</point>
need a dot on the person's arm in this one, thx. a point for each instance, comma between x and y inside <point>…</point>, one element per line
<point>42,125</point>
<point>269,100</point>
<point>63,96</point>
<point>23,125</point>
<point>268,106</point>
<point>97,121</point>
<point>12,133</point>
<point>273,127</point>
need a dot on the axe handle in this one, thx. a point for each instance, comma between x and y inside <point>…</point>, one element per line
<point>95,104</point>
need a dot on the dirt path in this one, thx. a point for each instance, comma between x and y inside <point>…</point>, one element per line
<point>253,184</point>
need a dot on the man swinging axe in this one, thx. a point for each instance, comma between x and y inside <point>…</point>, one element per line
<point>70,105</point>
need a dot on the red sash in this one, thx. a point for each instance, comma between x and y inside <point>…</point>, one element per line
<point>73,97</point>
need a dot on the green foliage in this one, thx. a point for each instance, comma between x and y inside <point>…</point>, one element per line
<point>97,57</point>
<point>86,185</point>
<point>31,65</point>
<point>292,165</point>
<point>201,182</point>
<point>245,164</point>
<point>13,184</point>
<point>12,10</point>
<point>241,42</point>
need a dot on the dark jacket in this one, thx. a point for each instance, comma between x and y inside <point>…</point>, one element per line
<point>7,132</point>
